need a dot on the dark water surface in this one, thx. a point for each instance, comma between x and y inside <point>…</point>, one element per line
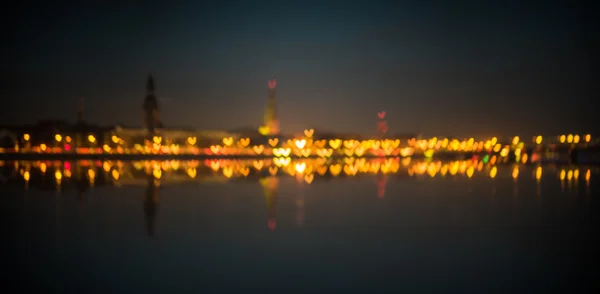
<point>368,234</point>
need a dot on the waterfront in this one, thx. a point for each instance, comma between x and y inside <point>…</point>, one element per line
<point>228,226</point>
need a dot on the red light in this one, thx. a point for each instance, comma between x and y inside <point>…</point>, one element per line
<point>272,224</point>
<point>381,187</point>
<point>67,147</point>
<point>67,165</point>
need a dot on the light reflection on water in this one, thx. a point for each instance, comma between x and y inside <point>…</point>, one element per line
<point>236,225</point>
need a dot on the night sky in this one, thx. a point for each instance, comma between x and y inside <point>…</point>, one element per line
<point>474,69</point>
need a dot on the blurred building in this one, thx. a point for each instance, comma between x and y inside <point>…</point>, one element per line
<point>65,135</point>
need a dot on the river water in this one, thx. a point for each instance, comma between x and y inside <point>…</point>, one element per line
<point>233,228</point>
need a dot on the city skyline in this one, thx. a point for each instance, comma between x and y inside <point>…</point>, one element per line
<point>300,146</point>
<point>504,69</point>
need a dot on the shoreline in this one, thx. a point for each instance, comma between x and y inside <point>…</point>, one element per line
<point>583,157</point>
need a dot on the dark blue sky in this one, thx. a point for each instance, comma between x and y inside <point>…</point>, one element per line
<point>475,68</point>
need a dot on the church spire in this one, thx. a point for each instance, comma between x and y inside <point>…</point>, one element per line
<point>271,120</point>
<point>150,107</point>
<point>150,85</point>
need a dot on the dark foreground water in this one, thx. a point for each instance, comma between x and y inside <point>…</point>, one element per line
<point>370,234</point>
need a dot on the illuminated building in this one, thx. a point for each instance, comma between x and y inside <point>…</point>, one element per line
<point>153,127</point>
<point>271,121</point>
<point>55,136</point>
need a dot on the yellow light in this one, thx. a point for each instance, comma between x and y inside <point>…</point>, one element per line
<point>518,152</point>
<point>562,138</point>
<point>91,173</point>
<point>588,175</point>
<point>538,140</point>
<point>454,144</point>
<point>588,138</point>
<point>470,171</point>
<point>191,172</point>
<point>115,139</point>
<point>493,172</point>
<point>576,139</point>
<point>493,141</point>
<point>58,175</point>
<point>515,172</point>
<point>264,130</point>
<point>300,167</point>
<point>68,139</point>
<point>115,174</point>
<point>43,147</point>
<point>562,174</point>
<point>487,145</point>
<point>26,137</point>
<point>445,143</point>
<point>26,176</point>
<point>91,138</point>
<point>497,148</point>
<point>106,148</point>
<point>538,173</point>
<point>570,138</point>
<point>58,137</point>
<point>515,140</point>
<point>43,167</point>
<point>428,153</point>
<point>157,173</point>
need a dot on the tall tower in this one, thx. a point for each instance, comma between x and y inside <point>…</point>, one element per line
<point>271,121</point>
<point>150,107</point>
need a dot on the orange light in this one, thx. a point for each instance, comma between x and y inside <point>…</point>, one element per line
<point>515,172</point>
<point>562,138</point>
<point>515,140</point>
